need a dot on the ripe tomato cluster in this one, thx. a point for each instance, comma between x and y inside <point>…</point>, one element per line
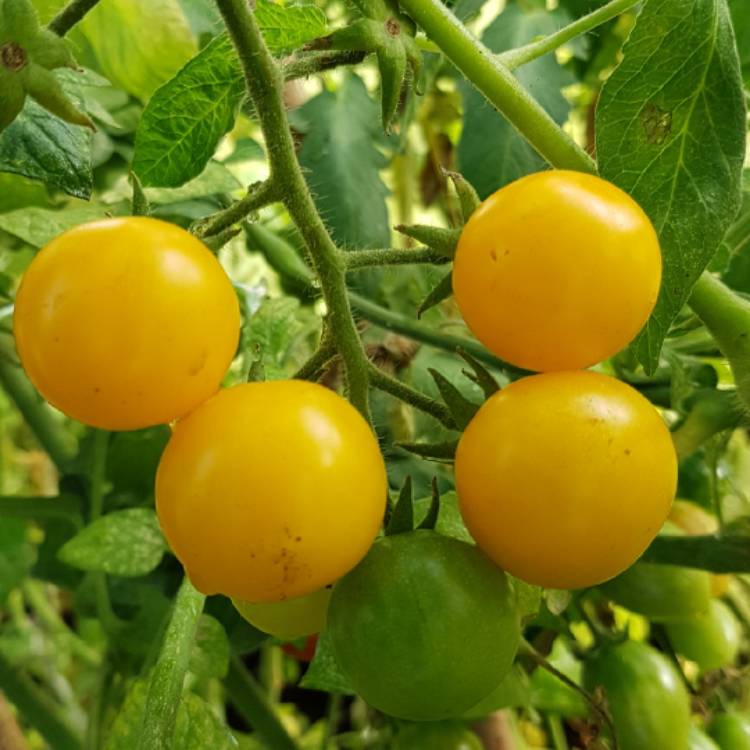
<point>272,492</point>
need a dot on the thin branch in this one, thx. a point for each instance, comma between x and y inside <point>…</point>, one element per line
<point>264,83</point>
<point>391,257</point>
<point>522,55</point>
<point>317,363</point>
<point>304,64</point>
<point>259,194</point>
<point>409,395</point>
<point>70,15</point>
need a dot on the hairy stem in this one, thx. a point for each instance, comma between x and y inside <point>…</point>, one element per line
<point>482,68</point>
<point>258,195</point>
<point>392,257</point>
<point>264,84</point>
<point>521,55</point>
<point>411,328</point>
<point>305,64</point>
<point>70,15</point>
<point>168,676</point>
<point>409,395</point>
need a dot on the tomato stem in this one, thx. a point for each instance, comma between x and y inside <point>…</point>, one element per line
<point>392,257</point>
<point>70,15</point>
<point>521,55</point>
<point>168,676</point>
<point>713,413</point>
<point>493,79</point>
<point>259,194</point>
<point>264,83</point>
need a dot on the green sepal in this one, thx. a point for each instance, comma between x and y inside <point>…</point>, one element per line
<point>364,35</point>
<point>376,9</point>
<point>467,196</point>
<point>431,519</point>
<point>462,410</point>
<point>12,97</point>
<point>416,63</point>
<point>20,22</point>
<point>392,65</point>
<point>442,290</point>
<point>139,202</point>
<point>441,240</point>
<point>401,519</point>
<point>480,375</point>
<point>42,86</point>
<point>50,51</point>
<point>437,451</point>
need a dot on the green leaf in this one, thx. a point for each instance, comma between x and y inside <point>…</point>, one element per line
<point>213,180</point>
<point>462,410</point>
<point>490,152</point>
<point>139,44</point>
<point>125,543</point>
<point>441,291</point>
<point>210,655</point>
<point>16,555</point>
<point>671,128</point>
<point>197,727</point>
<point>324,672</point>
<point>433,512</point>
<point>480,375</point>
<point>187,117</point>
<point>342,164</point>
<point>38,226</point>
<point>740,10</point>
<point>401,520</point>
<point>19,192</point>
<point>133,457</point>
<point>449,520</point>
<point>728,554</point>
<point>43,147</point>
<point>285,28</point>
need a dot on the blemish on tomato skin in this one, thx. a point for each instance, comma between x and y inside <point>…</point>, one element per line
<point>493,255</point>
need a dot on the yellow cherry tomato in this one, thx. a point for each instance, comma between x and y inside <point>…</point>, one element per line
<point>290,619</point>
<point>564,478</point>
<point>557,271</point>
<point>126,323</point>
<point>271,490</point>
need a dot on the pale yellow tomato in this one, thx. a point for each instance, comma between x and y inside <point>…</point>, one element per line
<point>126,323</point>
<point>565,478</point>
<point>271,490</point>
<point>557,271</point>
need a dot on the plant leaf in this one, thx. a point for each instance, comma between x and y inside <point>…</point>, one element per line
<point>125,543</point>
<point>38,226</point>
<point>671,131</point>
<point>210,655</point>
<point>401,520</point>
<point>324,672</point>
<point>285,28</point>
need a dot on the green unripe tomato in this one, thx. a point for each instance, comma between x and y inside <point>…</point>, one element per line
<point>731,731</point>
<point>647,699</point>
<point>712,639</point>
<point>661,592</point>
<point>699,740</point>
<point>288,619</point>
<point>441,735</point>
<point>424,627</point>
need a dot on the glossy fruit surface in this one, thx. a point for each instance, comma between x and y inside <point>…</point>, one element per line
<point>711,639</point>
<point>564,478</point>
<point>288,619</point>
<point>270,491</point>
<point>126,323</point>
<point>699,740</point>
<point>647,698</point>
<point>557,271</point>
<point>424,627</point>
<point>731,731</point>
<point>442,735</point>
<point>662,593</point>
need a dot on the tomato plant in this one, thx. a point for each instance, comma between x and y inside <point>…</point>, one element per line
<point>441,596</point>
<point>126,323</point>
<point>267,514</point>
<point>352,353</point>
<point>557,271</point>
<point>730,731</point>
<point>535,508</point>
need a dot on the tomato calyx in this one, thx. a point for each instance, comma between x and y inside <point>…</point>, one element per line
<point>13,56</point>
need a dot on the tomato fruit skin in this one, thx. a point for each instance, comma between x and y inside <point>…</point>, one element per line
<point>564,478</point>
<point>663,593</point>
<point>126,323</point>
<point>424,627</point>
<point>270,491</point>
<point>557,271</point>
<point>699,740</point>
<point>442,735</point>
<point>647,699</point>
<point>289,619</point>
<point>711,639</point>
<point>731,731</point>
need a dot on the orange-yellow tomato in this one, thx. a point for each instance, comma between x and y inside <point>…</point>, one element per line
<point>271,490</point>
<point>564,478</point>
<point>126,323</point>
<point>557,271</point>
